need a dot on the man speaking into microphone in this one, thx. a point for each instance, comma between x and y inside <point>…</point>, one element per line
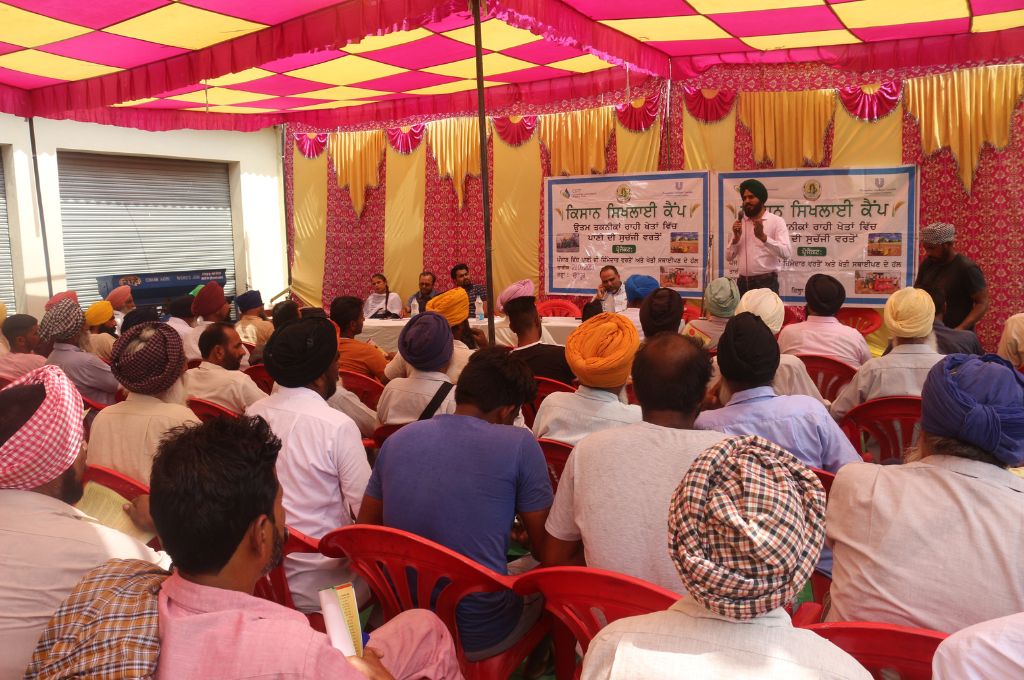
<point>760,241</point>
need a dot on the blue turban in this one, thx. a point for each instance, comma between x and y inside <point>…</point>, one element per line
<point>977,400</point>
<point>249,300</point>
<point>639,286</point>
<point>426,342</point>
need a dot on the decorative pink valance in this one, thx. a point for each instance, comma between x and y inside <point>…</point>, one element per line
<point>406,139</point>
<point>311,144</point>
<point>708,109</point>
<point>515,130</point>
<point>872,106</point>
<point>639,114</point>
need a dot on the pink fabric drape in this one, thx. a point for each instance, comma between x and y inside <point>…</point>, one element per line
<point>406,140</point>
<point>515,133</point>
<point>708,110</point>
<point>639,118</point>
<point>311,144</point>
<point>871,106</point>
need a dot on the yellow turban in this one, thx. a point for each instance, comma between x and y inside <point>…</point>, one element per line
<point>600,352</point>
<point>3,312</point>
<point>452,305</point>
<point>99,313</point>
<point>909,313</point>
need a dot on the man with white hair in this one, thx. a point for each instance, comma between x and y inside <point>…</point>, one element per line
<point>953,273</point>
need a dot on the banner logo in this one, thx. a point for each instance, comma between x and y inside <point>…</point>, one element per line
<point>812,190</point>
<point>623,193</point>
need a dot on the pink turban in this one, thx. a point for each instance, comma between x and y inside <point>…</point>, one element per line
<point>48,444</point>
<point>66,295</point>
<point>119,296</point>
<point>518,289</point>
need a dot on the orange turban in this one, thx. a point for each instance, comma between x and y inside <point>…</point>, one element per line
<point>600,352</point>
<point>452,305</point>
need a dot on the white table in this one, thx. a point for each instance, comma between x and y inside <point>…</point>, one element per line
<point>384,332</point>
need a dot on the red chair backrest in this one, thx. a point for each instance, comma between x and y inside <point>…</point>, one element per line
<point>826,479</point>
<point>249,347</point>
<point>890,421</point>
<point>274,586</point>
<point>793,315</point>
<point>125,486</point>
<point>545,386</point>
<point>555,454</point>
<point>259,375</point>
<point>193,363</point>
<point>883,646</point>
<point>206,410</point>
<point>864,319</point>
<point>690,312</point>
<point>557,307</point>
<point>828,374</point>
<point>94,405</point>
<point>363,386</point>
<point>381,434</point>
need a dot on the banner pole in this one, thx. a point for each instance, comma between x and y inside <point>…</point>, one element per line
<point>484,172</point>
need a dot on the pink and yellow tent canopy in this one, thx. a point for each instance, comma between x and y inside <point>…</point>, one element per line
<point>246,64</point>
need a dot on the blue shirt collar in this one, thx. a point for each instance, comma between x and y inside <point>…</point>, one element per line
<point>754,394</point>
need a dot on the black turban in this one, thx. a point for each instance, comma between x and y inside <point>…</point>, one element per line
<point>300,352</point>
<point>139,315</point>
<point>825,295</point>
<point>747,351</point>
<point>180,307</point>
<point>754,187</point>
<point>662,310</point>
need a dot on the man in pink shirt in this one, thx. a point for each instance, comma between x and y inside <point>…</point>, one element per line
<point>822,333</point>
<point>22,334</point>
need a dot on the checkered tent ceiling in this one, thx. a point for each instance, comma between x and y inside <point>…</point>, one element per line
<point>244,64</point>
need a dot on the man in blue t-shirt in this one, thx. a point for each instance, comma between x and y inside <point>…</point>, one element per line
<point>459,480</point>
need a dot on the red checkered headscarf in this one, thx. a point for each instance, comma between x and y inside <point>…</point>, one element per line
<point>746,526</point>
<point>50,441</point>
<point>152,368</point>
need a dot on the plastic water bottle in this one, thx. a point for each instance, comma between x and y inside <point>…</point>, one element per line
<point>479,309</point>
<point>414,308</point>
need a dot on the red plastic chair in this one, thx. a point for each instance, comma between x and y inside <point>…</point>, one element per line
<point>249,347</point>
<point>864,319</point>
<point>810,612</point>
<point>585,600</point>
<point>363,386</point>
<point>555,454</point>
<point>545,386</point>
<point>381,434</point>
<point>205,410</point>
<point>889,421</point>
<point>826,479</point>
<point>690,312</point>
<point>93,405</point>
<point>259,375</point>
<point>386,557</point>
<point>793,315</point>
<point>829,375</point>
<point>125,486</point>
<point>193,363</point>
<point>885,647</point>
<point>558,307</point>
<point>274,586</point>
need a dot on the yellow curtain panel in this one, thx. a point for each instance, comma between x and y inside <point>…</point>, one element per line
<point>309,220</point>
<point>788,128</point>
<point>357,157</point>
<point>517,186</point>
<point>965,110</point>
<point>456,146</point>
<point>860,144</point>
<point>577,140</point>
<point>403,218</point>
<point>709,146</point>
<point>638,151</point>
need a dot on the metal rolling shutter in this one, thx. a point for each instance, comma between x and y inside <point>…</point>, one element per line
<point>6,267</point>
<point>130,214</point>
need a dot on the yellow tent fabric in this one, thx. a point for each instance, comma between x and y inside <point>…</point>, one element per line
<point>859,143</point>
<point>638,151</point>
<point>403,218</point>
<point>709,146</point>
<point>577,140</point>
<point>357,157</point>
<point>456,146</point>
<point>788,128</point>
<point>518,181</point>
<point>310,226</point>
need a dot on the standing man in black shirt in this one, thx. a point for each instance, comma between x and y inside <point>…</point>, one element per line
<point>953,273</point>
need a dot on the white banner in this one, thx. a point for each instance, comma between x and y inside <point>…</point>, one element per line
<point>857,225</point>
<point>655,224</point>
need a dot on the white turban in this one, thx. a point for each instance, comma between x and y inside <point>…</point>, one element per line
<point>763,302</point>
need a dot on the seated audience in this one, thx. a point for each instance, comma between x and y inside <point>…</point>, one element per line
<point>252,326</point>
<point>180,316</point>
<point>520,306</point>
<point>22,334</point>
<point>210,304</point>
<point>64,324</point>
<point>638,287</point>
<point>425,345</point>
<point>284,312</point>
<point>46,545</point>
<point>501,473</point>
<point>951,340</point>
<point>934,543</point>
<point>202,621</point>
<point>453,305</point>
<point>381,303</point>
<point>744,529</point>
<point>140,315</point>
<point>661,312</point>
<point>991,649</point>
<point>218,379</point>
<point>122,301</point>
<point>720,300</point>
<point>600,353</point>
<point>425,294</point>
<point>748,357</point>
<point>148,360</point>
<point>322,466</point>
<point>99,320</point>
<point>460,279</point>
<point>599,519</point>
<point>822,333</point>
<point>1011,343</point>
<point>356,355</point>
<point>908,316</point>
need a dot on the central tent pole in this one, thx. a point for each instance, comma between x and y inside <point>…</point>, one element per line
<point>484,172</point>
